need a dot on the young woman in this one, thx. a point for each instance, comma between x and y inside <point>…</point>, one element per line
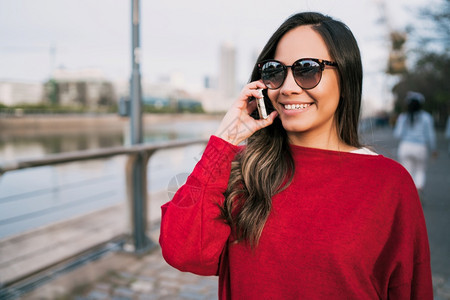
<point>301,211</point>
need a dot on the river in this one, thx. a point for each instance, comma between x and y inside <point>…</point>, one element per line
<point>35,197</point>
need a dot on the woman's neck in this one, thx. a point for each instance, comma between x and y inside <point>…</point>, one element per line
<point>328,140</point>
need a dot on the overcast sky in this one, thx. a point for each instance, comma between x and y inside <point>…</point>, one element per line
<point>180,36</point>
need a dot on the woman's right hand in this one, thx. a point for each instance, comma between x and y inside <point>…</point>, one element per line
<point>238,125</point>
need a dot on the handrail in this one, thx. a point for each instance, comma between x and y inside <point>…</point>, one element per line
<point>138,157</point>
<point>136,173</point>
<point>53,159</point>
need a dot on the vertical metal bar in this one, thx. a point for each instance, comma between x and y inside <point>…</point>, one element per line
<point>137,167</point>
<point>135,85</point>
<point>136,170</point>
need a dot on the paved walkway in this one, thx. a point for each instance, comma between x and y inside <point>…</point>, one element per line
<point>151,278</point>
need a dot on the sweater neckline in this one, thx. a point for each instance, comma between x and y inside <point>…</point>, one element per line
<point>302,150</point>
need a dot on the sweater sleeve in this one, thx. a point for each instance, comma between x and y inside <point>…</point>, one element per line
<point>420,287</point>
<point>192,236</point>
<point>408,247</point>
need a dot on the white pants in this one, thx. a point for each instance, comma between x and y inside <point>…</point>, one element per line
<point>414,158</point>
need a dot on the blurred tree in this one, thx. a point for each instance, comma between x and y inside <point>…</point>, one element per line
<point>430,76</point>
<point>397,56</point>
<point>439,35</point>
<point>430,73</point>
<point>51,91</point>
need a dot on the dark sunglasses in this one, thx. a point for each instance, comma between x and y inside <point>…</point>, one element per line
<point>307,72</point>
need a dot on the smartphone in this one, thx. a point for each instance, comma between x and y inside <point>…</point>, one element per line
<point>261,105</point>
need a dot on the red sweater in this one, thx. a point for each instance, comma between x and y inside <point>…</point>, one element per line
<point>349,226</point>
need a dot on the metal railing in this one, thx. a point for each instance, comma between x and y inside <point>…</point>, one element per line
<point>136,186</point>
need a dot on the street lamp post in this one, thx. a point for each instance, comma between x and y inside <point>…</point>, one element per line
<point>135,86</point>
<point>137,181</point>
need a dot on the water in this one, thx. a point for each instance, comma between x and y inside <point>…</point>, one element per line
<point>35,197</point>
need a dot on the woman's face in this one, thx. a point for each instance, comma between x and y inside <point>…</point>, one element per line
<point>316,120</point>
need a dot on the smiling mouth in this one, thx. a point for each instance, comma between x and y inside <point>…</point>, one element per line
<point>296,106</point>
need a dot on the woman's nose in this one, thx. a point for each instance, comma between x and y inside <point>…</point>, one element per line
<point>289,85</point>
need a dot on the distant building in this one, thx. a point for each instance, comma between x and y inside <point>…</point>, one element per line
<point>166,95</point>
<point>227,72</point>
<point>207,82</point>
<point>214,101</point>
<point>219,93</point>
<point>86,88</point>
<point>16,92</point>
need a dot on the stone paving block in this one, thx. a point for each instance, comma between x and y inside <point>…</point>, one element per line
<point>152,258</point>
<point>437,281</point>
<point>191,295</point>
<point>123,292</point>
<point>210,282</point>
<point>141,286</point>
<point>147,297</point>
<point>170,274</point>
<point>444,291</point>
<point>153,269</point>
<point>170,297</point>
<point>195,289</point>
<point>168,284</point>
<point>103,287</point>
<point>166,292</point>
<point>186,278</point>
<point>97,295</point>
<point>211,296</point>
<point>149,279</point>
<point>126,275</point>
<point>118,280</point>
<point>135,267</point>
<point>121,298</point>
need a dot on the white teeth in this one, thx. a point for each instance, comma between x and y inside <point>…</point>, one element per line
<point>296,106</point>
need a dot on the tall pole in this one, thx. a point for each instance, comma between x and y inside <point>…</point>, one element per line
<point>137,166</point>
<point>135,86</point>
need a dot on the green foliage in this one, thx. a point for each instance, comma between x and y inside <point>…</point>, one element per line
<point>52,91</point>
<point>171,109</point>
<point>439,34</point>
<point>431,72</point>
<point>42,108</point>
<point>163,110</point>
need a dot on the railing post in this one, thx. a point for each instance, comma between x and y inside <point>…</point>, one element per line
<point>135,82</point>
<point>136,170</point>
<point>137,164</point>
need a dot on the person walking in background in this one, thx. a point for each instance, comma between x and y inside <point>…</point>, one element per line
<point>415,129</point>
<point>302,210</point>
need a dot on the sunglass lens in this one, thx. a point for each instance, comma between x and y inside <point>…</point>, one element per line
<point>307,73</point>
<point>273,74</point>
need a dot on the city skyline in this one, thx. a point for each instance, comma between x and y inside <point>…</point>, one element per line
<point>176,37</point>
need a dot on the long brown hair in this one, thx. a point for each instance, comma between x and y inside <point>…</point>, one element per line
<point>265,166</point>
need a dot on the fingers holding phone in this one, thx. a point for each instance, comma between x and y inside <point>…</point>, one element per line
<point>261,105</point>
<point>239,122</point>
